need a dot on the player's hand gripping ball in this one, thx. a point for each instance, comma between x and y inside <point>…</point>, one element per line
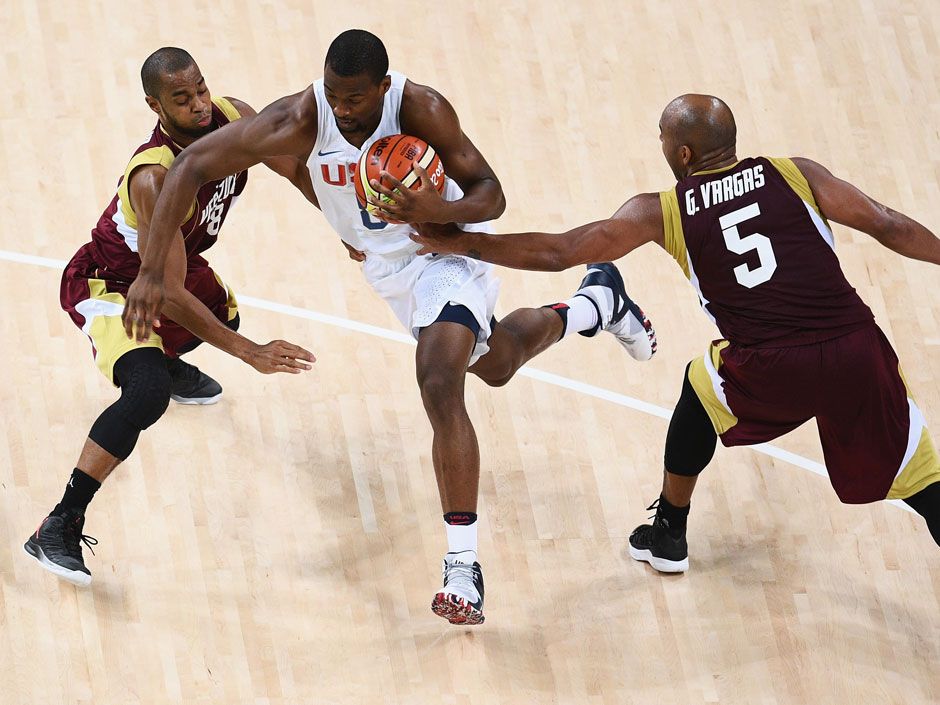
<point>396,155</point>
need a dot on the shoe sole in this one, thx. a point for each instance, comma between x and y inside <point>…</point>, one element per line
<point>196,401</point>
<point>614,272</point>
<point>663,565</point>
<point>76,577</point>
<point>456,610</point>
<point>640,354</point>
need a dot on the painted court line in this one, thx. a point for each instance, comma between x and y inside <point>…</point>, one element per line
<point>547,377</point>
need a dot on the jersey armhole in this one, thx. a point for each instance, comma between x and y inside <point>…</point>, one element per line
<point>228,110</point>
<point>155,156</point>
<point>674,239</point>
<point>795,179</point>
<point>322,126</point>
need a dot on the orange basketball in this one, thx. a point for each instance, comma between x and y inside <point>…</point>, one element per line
<point>396,155</point>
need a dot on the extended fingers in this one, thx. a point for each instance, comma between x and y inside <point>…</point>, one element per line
<point>294,356</point>
<point>379,186</point>
<point>422,175</point>
<point>379,206</point>
<point>142,327</point>
<point>127,318</point>
<point>397,186</point>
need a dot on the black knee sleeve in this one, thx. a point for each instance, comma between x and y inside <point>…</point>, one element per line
<point>691,439</point>
<point>927,504</point>
<point>145,394</point>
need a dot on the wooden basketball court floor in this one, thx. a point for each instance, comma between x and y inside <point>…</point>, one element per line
<point>283,546</point>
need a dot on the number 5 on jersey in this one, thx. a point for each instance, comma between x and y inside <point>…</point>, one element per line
<point>740,245</point>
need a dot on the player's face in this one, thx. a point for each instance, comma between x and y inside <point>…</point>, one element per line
<point>185,104</point>
<point>356,101</point>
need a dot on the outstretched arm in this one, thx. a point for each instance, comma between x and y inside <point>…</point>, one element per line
<point>187,310</point>
<point>845,204</point>
<point>636,222</point>
<point>283,128</point>
<point>292,168</point>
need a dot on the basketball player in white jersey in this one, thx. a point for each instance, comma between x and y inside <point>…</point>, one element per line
<point>447,303</point>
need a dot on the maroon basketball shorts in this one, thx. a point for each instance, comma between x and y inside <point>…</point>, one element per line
<point>95,303</point>
<point>874,439</point>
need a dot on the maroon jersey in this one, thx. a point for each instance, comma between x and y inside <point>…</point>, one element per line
<point>755,245</point>
<point>113,248</point>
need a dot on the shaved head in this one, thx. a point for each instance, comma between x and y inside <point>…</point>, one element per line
<point>702,124</point>
<point>163,61</point>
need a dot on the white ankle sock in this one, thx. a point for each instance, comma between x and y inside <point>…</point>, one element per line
<point>462,537</point>
<point>582,315</point>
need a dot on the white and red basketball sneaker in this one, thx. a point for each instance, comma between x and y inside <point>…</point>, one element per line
<point>617,313</point>
<point>460,600</point>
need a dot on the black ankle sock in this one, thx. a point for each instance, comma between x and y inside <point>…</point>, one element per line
<point>562,311</point>
<point>460,518</point>
<point>675,518</point>
<point>78,493</point>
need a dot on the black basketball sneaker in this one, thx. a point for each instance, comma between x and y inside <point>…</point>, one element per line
<point>617,312</point>
<point>667,551</point>
<point>188,385</point>
<point>460,601</point>
<point>57,546</point>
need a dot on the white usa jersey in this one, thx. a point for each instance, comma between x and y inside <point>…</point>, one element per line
<point>332,163</point>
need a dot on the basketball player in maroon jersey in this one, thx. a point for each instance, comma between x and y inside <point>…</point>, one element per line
<point>446,302</point>
<point>752,235</point>
<point>198,306</point>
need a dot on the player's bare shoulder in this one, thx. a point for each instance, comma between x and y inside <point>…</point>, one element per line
<point>288,125</point>
<point>297,111</point>
<point>143,188</point>
<point>641,219</point>
<point>299,108</point>
<point>244,110</point>
<point>423,108</point>
<point>422,97</point>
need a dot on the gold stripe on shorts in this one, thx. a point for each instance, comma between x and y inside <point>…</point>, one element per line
<point>923,467</point>
<point>107,331</point>
<point>703,375</point>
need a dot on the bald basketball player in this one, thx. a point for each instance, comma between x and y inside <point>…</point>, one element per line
<point>752,235</point>
<point>446,302</point>
<point>199,307</point>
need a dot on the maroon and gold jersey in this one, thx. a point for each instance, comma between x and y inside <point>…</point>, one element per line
<point>114,238</point>
<point>761,255</point>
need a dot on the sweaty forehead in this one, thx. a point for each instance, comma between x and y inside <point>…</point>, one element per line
<point>181,81</point>
<point>347,85</point>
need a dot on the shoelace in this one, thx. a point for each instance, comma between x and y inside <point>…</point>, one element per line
<point>659,522</point>
<point>460,574</point>
<point>73,537</point>
<point>657,519</point>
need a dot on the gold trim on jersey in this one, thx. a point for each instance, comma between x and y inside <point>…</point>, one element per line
<point>716,171</point>
<point>672,226</point>
<point>794,177</point>
<point>162,156</point>
<point>228,110</point>
<point>704,378</point>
